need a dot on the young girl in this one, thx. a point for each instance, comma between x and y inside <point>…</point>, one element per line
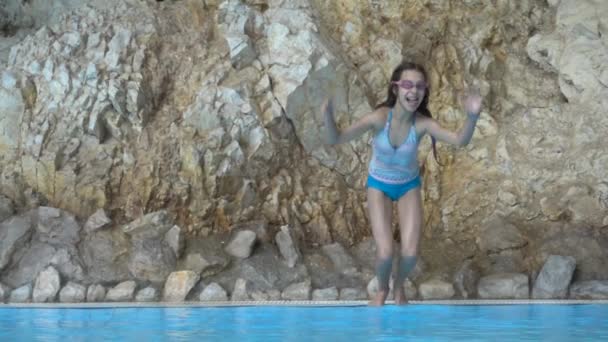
<point>398,124</point>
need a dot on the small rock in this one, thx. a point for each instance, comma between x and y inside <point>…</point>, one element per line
<point>242,244</point>
<point>436,289</point>
<point>96,293</point>
<point>287,246</point>
<point>149,294</point>
<point>149,226</point>
<point>466,279</point>
<point>195,262</point>
<point>47,286</point>
<point>175,239</point>
<point>97,221</point>
<point>590,289</point>
<point>122,292</point>
<point>342,261</point>
<point>274,294</point>
<point>4,292</point>
<point>213,293</point>
<point>298,291</point>
<point>21,294</point>
<point>178,285</point>
<point>72,293</point>
<point>352,294</point>
<point>240,291</point>
<point>259,296</point>
<point>504,286</point>
<point>496,235</point>
<point>330,293</point>
<point>9,79</point>
<point>6,208</point>
<point>260,228</point>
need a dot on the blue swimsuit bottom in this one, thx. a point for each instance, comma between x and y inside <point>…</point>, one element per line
<point>393,191</point>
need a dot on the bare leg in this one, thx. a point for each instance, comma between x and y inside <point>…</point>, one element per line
<point>380,213</point>
<point>409,208</point>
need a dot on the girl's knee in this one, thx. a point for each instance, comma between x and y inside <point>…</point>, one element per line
<point>409,251</point>
<point>385,252</point>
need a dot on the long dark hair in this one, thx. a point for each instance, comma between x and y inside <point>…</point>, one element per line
<point>391,97</point>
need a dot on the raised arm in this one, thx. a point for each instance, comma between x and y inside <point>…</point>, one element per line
<point>472,107</point>
<point>334,136</point>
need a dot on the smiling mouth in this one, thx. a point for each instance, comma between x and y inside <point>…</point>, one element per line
<point>412,100</point>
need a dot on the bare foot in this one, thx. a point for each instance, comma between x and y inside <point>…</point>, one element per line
<point>379,299</point>
<point>400,296</point>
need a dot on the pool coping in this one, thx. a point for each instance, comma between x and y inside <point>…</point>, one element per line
<point>293,303</point>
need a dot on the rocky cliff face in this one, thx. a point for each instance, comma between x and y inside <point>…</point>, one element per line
<point>209,110</point>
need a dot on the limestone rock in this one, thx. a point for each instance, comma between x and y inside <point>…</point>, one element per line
<point>341,259</point>
<point>104,253</point>
<point>298,291</point>
<point>578,242</point>
<point>465,280</point>
<point>72,293</point>
<point>4,292</point>
<point>176,240</point>
<point>263,271</point>
<point>242,244</point>
<point>96,293</point>
<point>504,286</point>
<point>148,294</point>
<point>239,293</point>
<point>178,285</point>
<point>48,284</point>
<point>259,296</point>
<point>122,292</point>
<point>213,292</point>
<point>436,289</point>
<point>13,234</point>
<point>287,246</point>
<point>55,226</point>
<point>205,256</point>
<point>151,259</point>
<point>21,294</point>
<point>327,294</point>
<point>274,294</point>
<point>237,22</point>
<point>590,289</point>
<point>6,208</point>
<point>149,226</point>
<point>352,294</point>
<point>497,235</point>
<point>554,278</point>
<point>98,220</point>
<point>260,227</point>
<point>196,263</point>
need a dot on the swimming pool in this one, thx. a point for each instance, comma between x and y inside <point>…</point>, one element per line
<point>288,323</point>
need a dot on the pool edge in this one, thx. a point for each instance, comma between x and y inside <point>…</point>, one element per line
<point>308,303</point>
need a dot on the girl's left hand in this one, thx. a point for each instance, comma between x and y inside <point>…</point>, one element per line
<point>472,104</point>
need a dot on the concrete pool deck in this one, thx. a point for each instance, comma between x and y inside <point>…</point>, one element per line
<point>292,303</point>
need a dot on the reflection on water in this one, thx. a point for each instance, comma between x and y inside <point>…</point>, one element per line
<point>390,323</point>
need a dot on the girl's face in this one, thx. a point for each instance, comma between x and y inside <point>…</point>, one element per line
<point>411,89</point>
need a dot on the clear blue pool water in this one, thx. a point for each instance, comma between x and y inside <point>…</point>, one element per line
<point>390,323</point>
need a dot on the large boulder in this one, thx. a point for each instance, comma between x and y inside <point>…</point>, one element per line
<point>554,278</point>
